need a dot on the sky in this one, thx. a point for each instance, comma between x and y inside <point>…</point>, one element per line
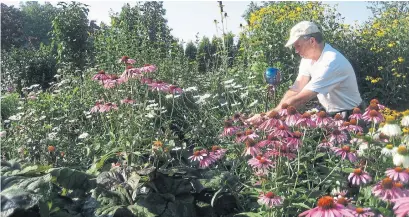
<point>188,18</point>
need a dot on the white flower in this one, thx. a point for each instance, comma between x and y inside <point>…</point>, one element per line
<point>362,147</point>
<point>150,115</point>
<point>405,121</point>
<point>253,103</point>
<point>202,99</point>
<point>388,150</point>
<point>245,94</point>
<point>238,86</point>
<point>228,81</point>
<point>52,136</point>
<point>151,101</point>
<point>16,117</point>
<point>191,89</point>
<point>3,133</point>
<point>169,96</point>
<point>400,160</point>
<point>83,136</point>
<point>391,130</point>
<point>235,104</point>
<point>400,156</point>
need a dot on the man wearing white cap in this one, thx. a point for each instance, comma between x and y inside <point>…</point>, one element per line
<point>323,72</point>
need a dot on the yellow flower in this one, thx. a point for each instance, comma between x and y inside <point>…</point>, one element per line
<point>380,68</point>
<point>391,44</point>
<point>380,33</point>
<point>401,59</point>
<point>298,9</point>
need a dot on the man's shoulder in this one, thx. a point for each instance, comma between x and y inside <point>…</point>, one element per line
<point>333,56</point>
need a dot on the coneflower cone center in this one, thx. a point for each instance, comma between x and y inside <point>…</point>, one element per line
<point>373,113</point>
<point>342,201</point>
<point>306,115</point>
<point>356,111</point>
<point>399,169</point>
<point>338,117</point>
<point>291,110</point>
<point>358,172</point>
<point>196,153</point>
<point>270,194</point>
<point>359,210</point>
<point>402,150</point>
<point>322,114</point>
<point>387,183</point>
<point>346,148</point>
<point>326,202</point>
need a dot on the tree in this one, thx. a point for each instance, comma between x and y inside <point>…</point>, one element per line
<point>38,22</point>
<point>11,27</point>
<point>70,32</point>
<point>190,51</point>
<point>204,54</point>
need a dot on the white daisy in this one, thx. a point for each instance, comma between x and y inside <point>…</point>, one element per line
<point>388,150</point>
<point>83,136</point>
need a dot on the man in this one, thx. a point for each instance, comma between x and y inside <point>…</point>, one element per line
<point>323,72</point>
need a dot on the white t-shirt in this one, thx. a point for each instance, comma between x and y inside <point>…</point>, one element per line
<point>333,78</point>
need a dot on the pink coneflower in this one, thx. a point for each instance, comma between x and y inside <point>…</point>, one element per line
<point>260,163</point>
<point>345,152</point>
<point>159,86</point>
<point>356,114</point>
<point>100,76</point>
<point>271,122</point>
<point>398,174</point>
<point>127,101</point>
<point>217,152</point>
<point>147,68</point>
<point>126,60</point>
<point>146,80</point>
<point>173,89</point>
<point>295,141</point>
<point>362,212</point>
<point>247,135</point>
<point>352,126</point>
<point>207,159</point>
<point>401,207</point>
<point>229,129</point>
<point>115,165</point>
<point>270,199</point>
<point>108,107</point>
<point>373,116</point>
<point>387,190</point>
<point>271,140</point>
<point>281,150</point>
<point>306,121</point>
<point>283,110</point>
<point>292,116</point>
<point>338,120</point>
<point>338,137</point>
<point>198,155</point>
<point>359,177</point>
<point>323,120</point>
<point>325,144</point>
<point>376,101</point>
<point>98,105</point>
<point>372,106</point>
<point>130,72</point>
<point>340,199</point>
<point>282,131</point>
<point>251,148</point>
<point>112,82</point>
<point>328,207</point>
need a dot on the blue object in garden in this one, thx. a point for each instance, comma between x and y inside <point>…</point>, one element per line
<point>272,76</point>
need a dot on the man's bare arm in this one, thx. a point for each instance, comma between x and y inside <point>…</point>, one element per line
<point>297,87</point>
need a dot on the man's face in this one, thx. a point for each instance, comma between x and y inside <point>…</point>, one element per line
<point>304,47</point>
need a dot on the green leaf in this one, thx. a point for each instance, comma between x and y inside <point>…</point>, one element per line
<point>72,179</point>
<point>300,205</point>
<point>247,214</point>
<point>348,170</point>
<point>16,199</point>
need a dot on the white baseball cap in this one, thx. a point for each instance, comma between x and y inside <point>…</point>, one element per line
<point>300,29</point>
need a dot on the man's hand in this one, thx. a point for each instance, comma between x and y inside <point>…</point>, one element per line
<point>272,110</point>
<point>255,120</point>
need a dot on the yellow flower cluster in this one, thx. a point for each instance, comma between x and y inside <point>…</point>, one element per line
<point>278,13</point>
<point>372,79</point>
